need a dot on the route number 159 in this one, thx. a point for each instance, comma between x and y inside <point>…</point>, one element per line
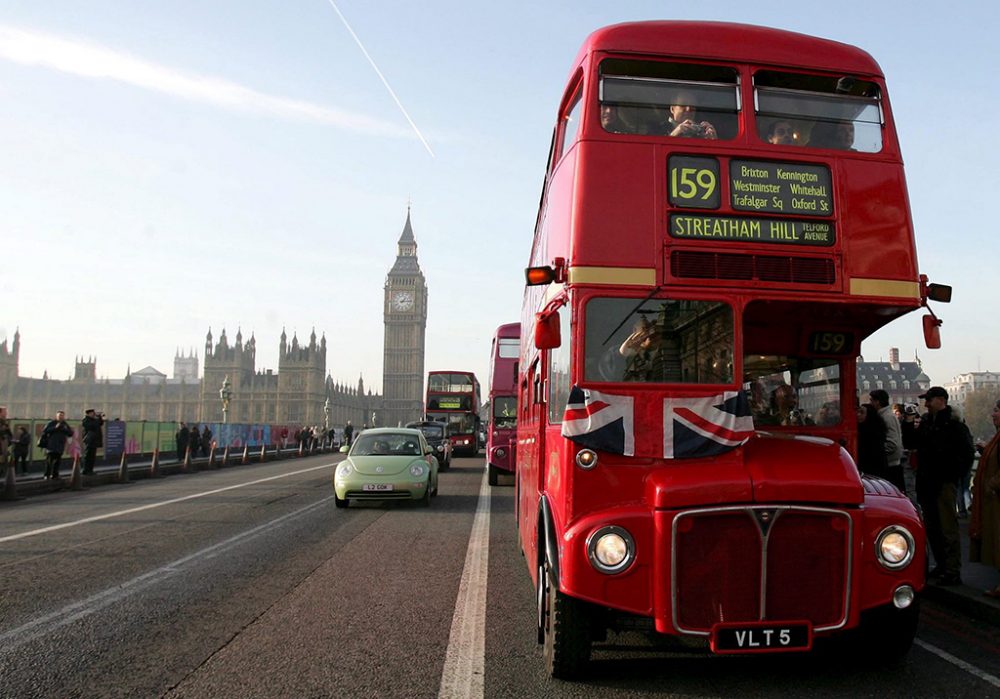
<point>694,182</point>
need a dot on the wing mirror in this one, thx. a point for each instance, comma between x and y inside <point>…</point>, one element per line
<point>548,330</point>
<point>932,331</point>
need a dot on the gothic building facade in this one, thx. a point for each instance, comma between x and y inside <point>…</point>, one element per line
<point>405,319</point>
<point>300,392</point>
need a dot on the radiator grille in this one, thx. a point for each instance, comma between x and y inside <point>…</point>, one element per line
<point>769,268</point>
<point>723,559</point>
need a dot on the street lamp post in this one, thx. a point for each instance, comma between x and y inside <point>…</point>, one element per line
<point>225,394</point>
<point>326,415</point>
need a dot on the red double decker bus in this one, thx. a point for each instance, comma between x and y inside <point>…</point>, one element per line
<point>724,219</point>
<point>501,430</point>
<point>453,398</point>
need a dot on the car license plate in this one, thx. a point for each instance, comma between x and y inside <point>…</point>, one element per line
<point>377,487</point>
<point>762,637</point>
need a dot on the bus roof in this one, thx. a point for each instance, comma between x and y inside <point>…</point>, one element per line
<point>728,41</point>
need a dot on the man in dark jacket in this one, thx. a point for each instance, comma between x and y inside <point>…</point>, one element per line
<point>55,433</point>
<point>93,438</point>
<point>182,437</point>
<point>944,451</point>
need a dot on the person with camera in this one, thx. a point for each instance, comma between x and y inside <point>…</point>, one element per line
<point>53,441</point>
<point>684,122</point>
<point>93,438</point>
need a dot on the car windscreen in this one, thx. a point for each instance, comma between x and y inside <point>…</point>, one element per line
<point>386,445</point>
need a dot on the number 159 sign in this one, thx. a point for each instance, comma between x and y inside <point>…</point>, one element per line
<point>693,182</point>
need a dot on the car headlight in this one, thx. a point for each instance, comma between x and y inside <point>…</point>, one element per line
<point>440,447</point>
<point>416,470</point>
<point>894,547</point>
<point>611,549</point>
<point>344,469</point>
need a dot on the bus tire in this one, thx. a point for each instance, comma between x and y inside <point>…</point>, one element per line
<point>492,474</point>
<point>566,632</point>
<point>886,634</point>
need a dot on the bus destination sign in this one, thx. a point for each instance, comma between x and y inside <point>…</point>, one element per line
<point>751,229</point>
<point>780,188</point>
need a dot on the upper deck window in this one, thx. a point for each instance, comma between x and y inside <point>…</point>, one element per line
<point>659,341</point>
<point>669,99</point>
<point>818,111</point>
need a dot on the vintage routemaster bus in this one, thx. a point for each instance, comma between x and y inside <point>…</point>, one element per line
<point>724,219</point>
<point>453,398</point>
<point>501,429</point>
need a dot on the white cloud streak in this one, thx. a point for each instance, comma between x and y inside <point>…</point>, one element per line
<point>93,61</point>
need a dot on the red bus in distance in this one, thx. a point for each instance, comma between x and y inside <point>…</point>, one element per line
<point>453,398</point>
<point>724,219</point>
<point>501,430</point>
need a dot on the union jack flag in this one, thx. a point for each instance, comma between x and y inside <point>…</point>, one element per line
<point>600,421</point>
<point>705,426</point>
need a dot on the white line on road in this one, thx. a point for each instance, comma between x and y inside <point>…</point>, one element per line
<point>958,662</point>
<point>464,664</point>
<point>78,610</point>
<point>119,513</point>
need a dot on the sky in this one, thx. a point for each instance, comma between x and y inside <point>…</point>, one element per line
<point>174,167</point>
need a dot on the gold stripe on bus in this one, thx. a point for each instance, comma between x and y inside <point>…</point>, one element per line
<point>636,276</point>
<point>885,287</point>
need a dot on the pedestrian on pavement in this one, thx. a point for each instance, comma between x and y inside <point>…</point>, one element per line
<point>194,441</point>
<point>984,524</point>
<point>871,442</point>
<point>22,443</point>
<point>348,433</point>
<point>93,438</point>
<point>908,429</point>
<point>6,437</point>
<point>53,440</point>
<point>206,441</point>
<point>944,450</point>
<point>893,445</point>
<point>182,437</point>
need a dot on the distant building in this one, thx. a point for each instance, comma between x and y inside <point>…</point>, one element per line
<point>296,394</point>
<point>903,381</point>
<point>962,385</point>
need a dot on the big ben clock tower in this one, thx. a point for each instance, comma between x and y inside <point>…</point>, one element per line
<point>405,312</point>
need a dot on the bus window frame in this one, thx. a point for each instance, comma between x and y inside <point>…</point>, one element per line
<point>572,104</point>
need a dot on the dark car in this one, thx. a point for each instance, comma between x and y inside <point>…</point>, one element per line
<point>436,434</point>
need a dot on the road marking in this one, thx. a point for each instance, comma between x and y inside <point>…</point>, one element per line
<point>77,610</point>
<point>465,661</point>
<point>958,662</point>
<point>120,513</point>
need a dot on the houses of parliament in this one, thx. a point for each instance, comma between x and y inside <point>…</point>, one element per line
<point>300,392</point>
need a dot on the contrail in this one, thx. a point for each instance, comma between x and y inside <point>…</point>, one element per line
<point>381,77</point>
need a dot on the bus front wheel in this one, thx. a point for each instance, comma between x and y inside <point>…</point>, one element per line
<point>493,474</point>
<point>564,629</point>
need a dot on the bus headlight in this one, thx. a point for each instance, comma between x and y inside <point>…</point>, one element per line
<point>586,459</point>
<point>416,470</point>
<point>501,452</point>
<point>611,549</point>
<point>894,547</point>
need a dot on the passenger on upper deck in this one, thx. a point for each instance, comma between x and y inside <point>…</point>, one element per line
<point>781,133</point>
<point>613,120</point>
<point>839,135</point>
<point>683,119</point>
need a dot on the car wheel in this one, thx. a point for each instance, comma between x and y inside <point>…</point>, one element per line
<point>493,476</point>
<point>425,501</point>
<point>338,502</point>
<point>566,633</point>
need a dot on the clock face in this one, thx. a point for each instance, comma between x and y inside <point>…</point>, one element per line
<point>402,300</point>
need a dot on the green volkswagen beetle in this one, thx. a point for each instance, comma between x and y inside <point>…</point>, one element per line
<point>387,464</point>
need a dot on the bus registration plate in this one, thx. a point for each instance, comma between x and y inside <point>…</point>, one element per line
<point>762,637</point>
<point>377,487</point>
